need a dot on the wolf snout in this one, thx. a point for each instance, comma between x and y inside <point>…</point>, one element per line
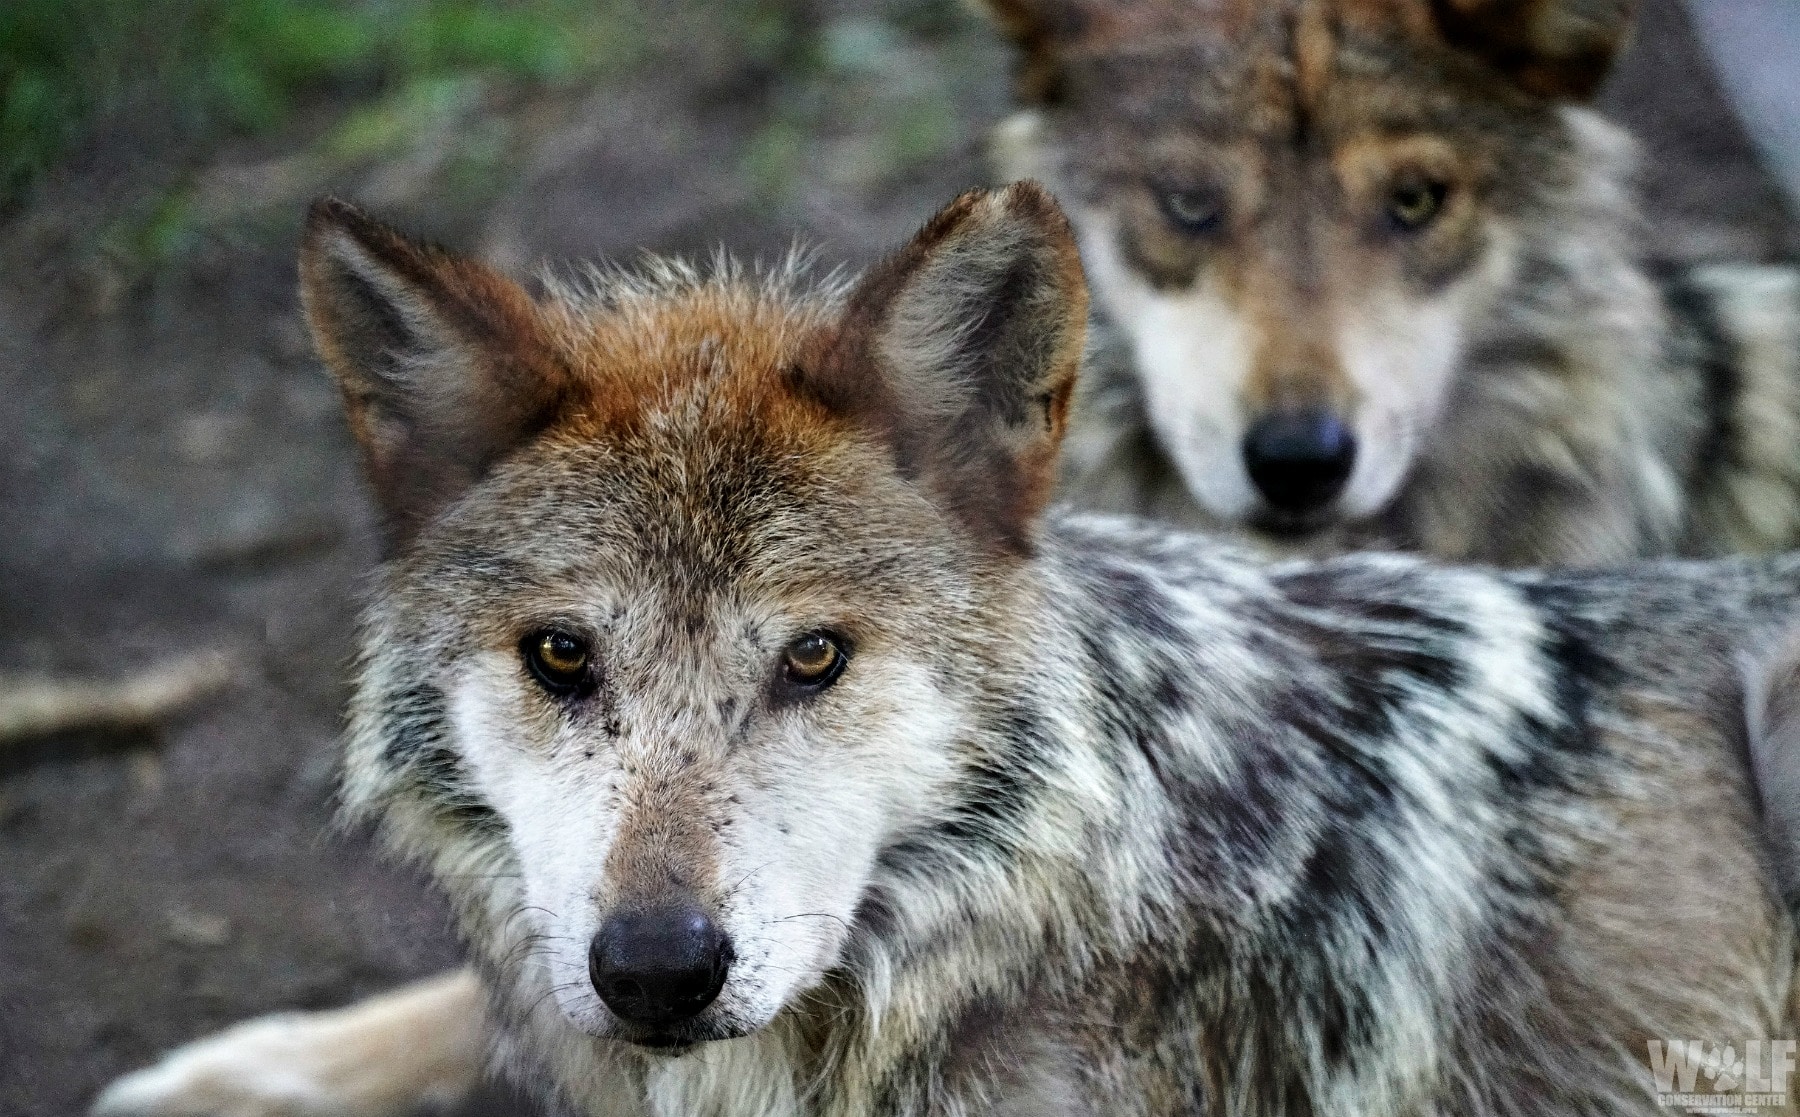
<point>658,966</point>
<point>1299,460</point>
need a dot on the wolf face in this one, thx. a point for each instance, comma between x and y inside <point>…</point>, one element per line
<point>1302,215</point>
<point>694,719</point>
<point>680,618</point>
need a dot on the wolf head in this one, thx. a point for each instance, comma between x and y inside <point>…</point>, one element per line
<point>1300,212</point>
<point>690,579</point>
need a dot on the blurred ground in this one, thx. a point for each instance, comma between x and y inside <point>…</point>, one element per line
<point>174,475</point>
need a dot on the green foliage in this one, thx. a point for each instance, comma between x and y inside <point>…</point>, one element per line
<point>248,66</point>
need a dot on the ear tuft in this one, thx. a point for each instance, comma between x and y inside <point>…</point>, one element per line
<point>443,362</point>
<point>1551,48</point>
<point>962,350</point>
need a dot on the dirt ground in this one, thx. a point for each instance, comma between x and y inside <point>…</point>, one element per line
<point>175,477</point>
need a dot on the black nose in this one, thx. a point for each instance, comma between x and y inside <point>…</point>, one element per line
<point>658,966</point>
<point>1299,460</point>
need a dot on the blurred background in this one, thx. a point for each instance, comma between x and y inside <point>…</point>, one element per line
<point>182,531</point>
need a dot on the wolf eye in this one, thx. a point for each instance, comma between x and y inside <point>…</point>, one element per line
<point>814,661</point>
<point>1192,211</point>
<point>1414,205</point>
<point>557,659</point>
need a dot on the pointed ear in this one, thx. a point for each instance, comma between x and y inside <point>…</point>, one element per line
<point>962,351</point>
<point>444,363</point>
<point>1551,48</point>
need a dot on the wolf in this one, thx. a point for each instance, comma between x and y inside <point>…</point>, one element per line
<point>782,753</point>
<point>1369,273</point>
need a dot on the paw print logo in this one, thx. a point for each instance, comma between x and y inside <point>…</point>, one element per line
<point>1724,1067</point>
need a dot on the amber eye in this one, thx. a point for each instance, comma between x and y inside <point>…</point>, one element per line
<point>557,659</point>
<point>1193,211</point>
<point>814,661</point>
<point>1414,205</point>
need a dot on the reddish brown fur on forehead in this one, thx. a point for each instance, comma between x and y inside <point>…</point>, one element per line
<point>732,341</point>
<point>1317,28</point>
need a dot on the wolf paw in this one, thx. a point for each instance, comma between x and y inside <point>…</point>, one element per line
<point>272,1067</point>
<point>419,1048</point>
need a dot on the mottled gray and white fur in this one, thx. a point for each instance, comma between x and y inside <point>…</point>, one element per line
<point>1098,818</point>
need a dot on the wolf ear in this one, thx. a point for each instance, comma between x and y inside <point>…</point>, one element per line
<point>1552,48</point>
<point>443,362</point>
<point>961,351</point>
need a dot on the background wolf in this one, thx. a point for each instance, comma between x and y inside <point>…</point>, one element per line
<point>1372,276</point>
<point>781,756</point>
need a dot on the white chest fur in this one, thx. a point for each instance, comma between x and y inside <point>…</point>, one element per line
<point>750,1077</point>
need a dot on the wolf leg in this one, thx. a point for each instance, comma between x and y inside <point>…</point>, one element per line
<point>419,1047</point>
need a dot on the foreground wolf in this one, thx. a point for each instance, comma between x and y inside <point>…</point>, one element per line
<point>1372,275</point>
<point>781,755</point>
